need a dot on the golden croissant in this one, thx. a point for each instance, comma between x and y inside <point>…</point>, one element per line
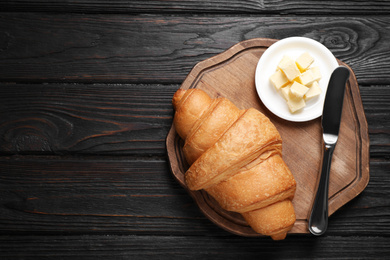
<point>235,156</point>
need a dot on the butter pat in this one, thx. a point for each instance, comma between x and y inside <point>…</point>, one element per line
<point>289,68</point>
<point>306,78</point>
<point>295,104</point>
<point>298,90</point>
<point>286,92</point>
<point>278,79</point>
<point>284,62</point>
<point>304,61</point>
<point>314,91</point>
<point>316,73</point>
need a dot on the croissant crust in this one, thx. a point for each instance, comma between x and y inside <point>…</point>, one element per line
<point>235,156</point>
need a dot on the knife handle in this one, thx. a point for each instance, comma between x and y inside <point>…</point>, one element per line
<point>318,221</point>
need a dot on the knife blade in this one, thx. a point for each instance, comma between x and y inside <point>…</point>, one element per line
<point>331,118</point>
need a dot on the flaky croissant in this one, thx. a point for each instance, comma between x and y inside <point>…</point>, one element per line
<point>235,155</point>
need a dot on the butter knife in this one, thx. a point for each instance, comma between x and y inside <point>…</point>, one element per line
<point>331,117</point>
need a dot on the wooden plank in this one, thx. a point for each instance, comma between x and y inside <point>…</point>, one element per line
<point>377,112</point>
<point>210,6</point>
<point>116,195</point>
<point>44,47</point>
<point>84,119</point>
<point>59,194</point>
<point>120,118</point>
<point>191,247</point>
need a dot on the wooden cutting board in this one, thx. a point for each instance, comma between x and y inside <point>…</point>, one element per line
<point>231,74</point>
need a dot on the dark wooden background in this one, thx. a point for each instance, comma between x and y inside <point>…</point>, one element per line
<point>85,106</point>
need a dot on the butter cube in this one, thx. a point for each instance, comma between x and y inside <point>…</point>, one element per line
<point>295,104</point>
<point>286,92</point>
<point>306,78</point>
<point>278,79</point>
<point>289,68</point>
<point>298,90</point>
<point>314,91</point>
<point>304,61</point>
<point>285,60</point>
<point>316,73</point>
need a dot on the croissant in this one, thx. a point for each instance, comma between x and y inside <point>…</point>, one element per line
<point>235,156</point>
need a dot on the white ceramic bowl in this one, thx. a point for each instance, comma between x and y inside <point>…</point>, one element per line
<point>293,47</point>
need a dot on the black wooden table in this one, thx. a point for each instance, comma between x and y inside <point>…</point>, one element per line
<point>85,106</point>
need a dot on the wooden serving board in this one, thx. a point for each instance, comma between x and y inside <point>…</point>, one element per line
<point>231,74</point>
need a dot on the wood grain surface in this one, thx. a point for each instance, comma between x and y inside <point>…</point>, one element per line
<point>211,6</point>
<point>85,119</point>
<point>163,49</point>
<point>85,106</point>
